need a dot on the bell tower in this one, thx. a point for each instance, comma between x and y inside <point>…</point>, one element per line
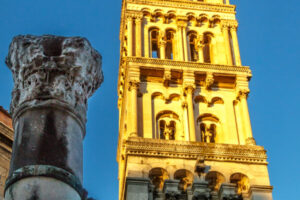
<point>184,125</point>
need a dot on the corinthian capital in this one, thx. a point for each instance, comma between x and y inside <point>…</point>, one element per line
<point>243,93</point>
<point>53,71</point>
<point>134,84</point>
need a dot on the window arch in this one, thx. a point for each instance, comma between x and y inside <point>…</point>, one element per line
<point>158,177</point>
<point>185,177</point>
<point>167,125</point>
<point>207,48</point>
<point>208,128</point>
<point>241,181</point>
<point>154,39</point>
<point>214,179</point>
<point>170,35</point>
<point>192,38</point>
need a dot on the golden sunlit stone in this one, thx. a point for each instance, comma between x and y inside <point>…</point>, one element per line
<point>183,94</point>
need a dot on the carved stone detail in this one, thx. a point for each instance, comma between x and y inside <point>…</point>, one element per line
<point>48,69</point>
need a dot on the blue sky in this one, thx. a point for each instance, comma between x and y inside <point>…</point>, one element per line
<point>269,44</point>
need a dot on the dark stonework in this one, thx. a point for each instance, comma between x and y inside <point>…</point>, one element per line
<point>53,78</point>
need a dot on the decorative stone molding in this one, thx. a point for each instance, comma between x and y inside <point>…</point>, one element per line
<point>229,23</point>
<point>53,70</point>
<point>188,65</point>
<point>191,150</point>
<point>188,4</point>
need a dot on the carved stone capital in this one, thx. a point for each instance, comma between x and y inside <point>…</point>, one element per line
<point>53,71</point>
<point>134,85</point>
<point>189,88</point>
<point>184,104</point>
<point>243,94</point>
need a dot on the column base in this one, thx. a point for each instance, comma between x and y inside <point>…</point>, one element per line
<point>44,188</point>
<point>42,182</point>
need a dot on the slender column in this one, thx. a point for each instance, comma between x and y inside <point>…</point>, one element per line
<point>133,87</point>
<point>227,45</point>
<point>243,94</point>
<point>189,94</point>
<point>138,42</point>
<point>184,35</point>
<point>162,47</point>
<point>185,121</point>
<point>235,46</point>
<point>52,84</point>
<point>146,43</point>
<point>199,45</point>
<point>180,43</point>
<point>129,35</point>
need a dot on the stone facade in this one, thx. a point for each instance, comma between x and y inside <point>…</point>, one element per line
<point>183,95</point>
<point>6,140</point>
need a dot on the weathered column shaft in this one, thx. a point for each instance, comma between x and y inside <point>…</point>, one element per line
<point>134,85</point>
<point>190,90</point>
<point>236,48</point>
<point>245,112</point>
<point>53,78</point>
<point>129,35</point>
<point>138,43</point>
<point>227,45</point>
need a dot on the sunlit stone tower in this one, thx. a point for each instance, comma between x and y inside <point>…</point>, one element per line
<point>182,98</point>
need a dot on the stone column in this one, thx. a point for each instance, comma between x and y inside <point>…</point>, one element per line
<point>129,35</point>
<point>180,42</point>
<point>162,46</point>
<point>185,121</point>
<point>243,94</point>
<point>185,46</point>
<point>227,45</point>
<point>189,95</point>
<point>200,53</point>
<point>53,78</point>
<point>138,42</point>
<point>133,87</point>
<point>236,48</point>
<point>146,37</point>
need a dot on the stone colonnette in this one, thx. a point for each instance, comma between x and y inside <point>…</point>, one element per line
<point>53,79</point>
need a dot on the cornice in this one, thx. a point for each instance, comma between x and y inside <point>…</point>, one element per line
<point>187,5</point>
<point>6,131</point>
<point>163,63</point>
<point>191,150</point>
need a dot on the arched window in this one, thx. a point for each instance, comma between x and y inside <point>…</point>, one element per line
<point>241,181</point>
<point>167,129</point>
<point>207,49</point>
<point>214,179</point>
<point>208,128</point>
<point>170,43</point>
<point>167,125</point>
<point>154,37</point>
<point>192,36</point>
<point>208,132</point>
<point>158,177</point>
<point>185,177</point>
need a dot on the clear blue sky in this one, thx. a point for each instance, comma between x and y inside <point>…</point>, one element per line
<point>269,43</point>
